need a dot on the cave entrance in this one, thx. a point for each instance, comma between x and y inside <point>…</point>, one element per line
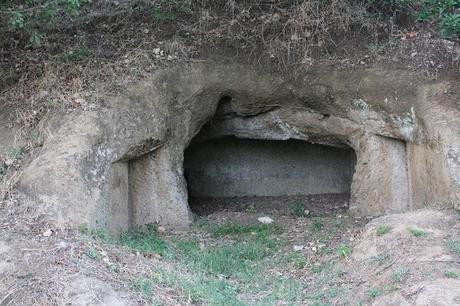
<point>234,174</point>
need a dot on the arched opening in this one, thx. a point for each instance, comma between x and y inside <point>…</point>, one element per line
<point>230,173</point>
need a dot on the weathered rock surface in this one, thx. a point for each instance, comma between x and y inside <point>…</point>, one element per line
<point>122,164</point>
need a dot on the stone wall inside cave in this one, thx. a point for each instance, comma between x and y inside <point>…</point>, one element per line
<point>232,167</point>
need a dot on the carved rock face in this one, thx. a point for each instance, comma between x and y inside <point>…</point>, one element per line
<point>122,164</point>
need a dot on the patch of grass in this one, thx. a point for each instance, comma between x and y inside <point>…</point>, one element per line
<point>298,210</point>
<point>383,229</point>
<point>199,287</point>
<point>143,240</point>
<point>316,226</point>
<point>258,230</point>
<point>91,253</point>
<point>323,290</point>
<point>16,153</point>
<point>237,259</point>
<point>451,274</point>
<point>3,169</point>
<point>443,14</point>
<point>391,288</point>
<point>297,260</point>
<point>323,296</point>
<point>373,292</point>
<point>400,275</point>
<point>101,234</point>
<point>75,55</point>
<point>160,16</point>
<point>376,48</point>
<point>416,232</point>
<point>284,291</point>
<point>344,250</point>
<point>454,246</point>
<point>144,286</point>
<point>381,258</point>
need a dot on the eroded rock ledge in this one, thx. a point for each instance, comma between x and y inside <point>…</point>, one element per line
<point>122,164</point>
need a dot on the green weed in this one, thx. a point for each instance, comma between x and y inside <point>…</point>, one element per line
<point>416,232</point>
<point>344,250</point>
<point>75,55</point>
<point>383,229</point>
<point>454,246</point>
<point>199,287</point>
<point>400,275</point>
<point>298,210</point>
<point>3,169</point>
<point>259,230</point>
<point>16,153</point>
<point>451,274</point>
<point>373,292</point>
<point>297,260</point>
<point>143,285</point>
<point>316,226</point>
<point>160,16</point>
<point>143,240</point>
<point>91,253</point>
<point>231,260</point>
<point>381,258</point>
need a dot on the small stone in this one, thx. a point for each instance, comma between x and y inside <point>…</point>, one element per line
<point>156,51</point>
<point>161,229</point>
<point>306,212</point>
<point>265,220</point>
<point>47,233</point>
<point>298,247</point>
<point>313,249</point>
<point>62,245</point>
<point>352,239</point>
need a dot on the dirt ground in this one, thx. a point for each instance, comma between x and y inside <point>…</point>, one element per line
<point>230,258</point>
<point>312,205</point>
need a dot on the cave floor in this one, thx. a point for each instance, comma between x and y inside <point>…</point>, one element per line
<point>297,205</point>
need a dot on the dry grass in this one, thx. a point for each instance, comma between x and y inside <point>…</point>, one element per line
<point>8,182</point>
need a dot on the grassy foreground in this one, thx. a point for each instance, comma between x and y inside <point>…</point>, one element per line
<point>233,264</point>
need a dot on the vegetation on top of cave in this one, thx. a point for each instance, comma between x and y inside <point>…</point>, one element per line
<point>52,52</point>
<point>35,18</point>
<point>285,30</point>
